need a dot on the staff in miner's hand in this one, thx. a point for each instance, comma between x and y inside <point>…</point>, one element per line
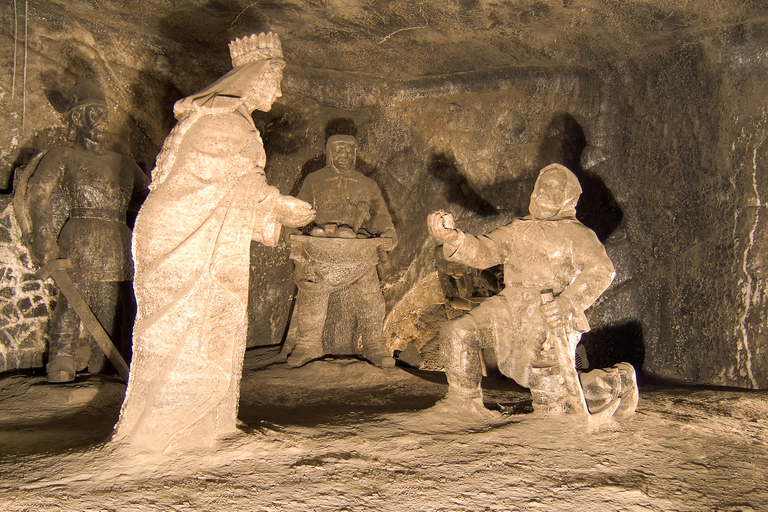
<point>566,361</point>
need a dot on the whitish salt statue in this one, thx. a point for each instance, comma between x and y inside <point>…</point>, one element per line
<point>209,198</point>
<point>554,269</point>
<point>72,207</point>
<point>336,264</point>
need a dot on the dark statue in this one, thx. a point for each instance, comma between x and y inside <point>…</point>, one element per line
<point>77,198</point>
<point>336,264</point>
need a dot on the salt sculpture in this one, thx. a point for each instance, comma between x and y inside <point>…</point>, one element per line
<point>209,198</point>
<point>72,208</point>
<point>336,263</point>
<point>554,269</point>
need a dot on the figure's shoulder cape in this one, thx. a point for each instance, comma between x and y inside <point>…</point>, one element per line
<point>21,200</point>
<point>21,197</point>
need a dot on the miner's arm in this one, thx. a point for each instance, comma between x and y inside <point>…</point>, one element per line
<point>595,275</point>
<point>382,220</point>
<point>474,251</point>
<point>596,270</point>
<point>307,191</point>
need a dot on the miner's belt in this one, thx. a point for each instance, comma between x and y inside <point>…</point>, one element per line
<point>97,213</point>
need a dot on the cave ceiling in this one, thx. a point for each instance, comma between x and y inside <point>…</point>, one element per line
<point>345,53</point>
<point>398,39</point>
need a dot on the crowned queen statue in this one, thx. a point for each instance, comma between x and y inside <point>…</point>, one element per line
<point>191,244</point>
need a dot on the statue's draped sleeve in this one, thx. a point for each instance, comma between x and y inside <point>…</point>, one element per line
<point>478,251</point>
<point>596,271</point>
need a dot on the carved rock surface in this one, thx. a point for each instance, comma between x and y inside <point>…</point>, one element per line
<point>658,107</point>
<point>25,300</point>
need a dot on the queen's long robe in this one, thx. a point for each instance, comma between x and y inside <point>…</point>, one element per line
<point>191,246</point>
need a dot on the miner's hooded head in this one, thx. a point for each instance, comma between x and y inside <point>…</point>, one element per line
<point>340,152</point>
<point>88,113</point>
<point>555,194</point>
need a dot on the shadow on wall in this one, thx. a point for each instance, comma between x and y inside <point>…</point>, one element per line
<point>459,191</point>
<point>609,345</point>
<point>44,139</point>
<point>150,116</point>
<point>283,130</point>
<point>563,144</point>
<point>207,29</point>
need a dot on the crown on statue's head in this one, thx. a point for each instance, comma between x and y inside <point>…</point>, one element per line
<point>255,48</point>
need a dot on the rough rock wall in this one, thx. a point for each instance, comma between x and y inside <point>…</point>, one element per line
<point>25,300</point>
<point>692,206</point>
<point>657,106</point>
<point>744,109</point>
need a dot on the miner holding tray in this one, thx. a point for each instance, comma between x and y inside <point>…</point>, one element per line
<point>336,264</point>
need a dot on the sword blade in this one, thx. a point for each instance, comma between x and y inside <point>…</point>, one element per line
<point>89,320</point>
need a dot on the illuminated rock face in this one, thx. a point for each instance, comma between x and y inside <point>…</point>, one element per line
<point>24,300</point>
<point>657,107</point>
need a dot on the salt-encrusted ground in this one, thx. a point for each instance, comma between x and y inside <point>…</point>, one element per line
<point>342,435</point>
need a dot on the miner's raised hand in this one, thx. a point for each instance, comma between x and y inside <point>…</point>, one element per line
<point>440,225</point>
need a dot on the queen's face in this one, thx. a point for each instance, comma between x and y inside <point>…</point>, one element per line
<point>265,91</point>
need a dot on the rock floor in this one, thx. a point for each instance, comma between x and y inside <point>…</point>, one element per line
<point>342,435</point>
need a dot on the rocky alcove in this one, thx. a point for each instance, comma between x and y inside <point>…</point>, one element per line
<point>658,107</point>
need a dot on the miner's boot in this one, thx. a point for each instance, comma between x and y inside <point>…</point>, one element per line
<point>465,402</point>
<point>305,352</point>
<point>378,355</point>
<point>628,393</point>
<point>60,369</point>
<point>61,365</point>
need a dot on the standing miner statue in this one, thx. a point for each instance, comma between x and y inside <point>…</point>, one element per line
<point>73,204</point>
<point>336,265</point>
